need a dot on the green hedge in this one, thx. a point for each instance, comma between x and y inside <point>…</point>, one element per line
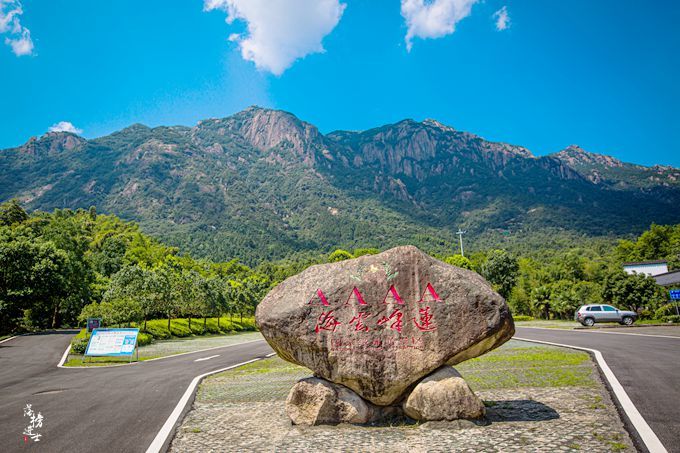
<point>671,318</point>
<point>522,318</point>
<point>157,329</point>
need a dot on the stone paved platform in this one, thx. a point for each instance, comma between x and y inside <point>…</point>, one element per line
<point>244,411</point>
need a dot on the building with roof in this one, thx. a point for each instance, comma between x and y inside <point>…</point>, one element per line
<point>669,279</point>
<point>650,268</point>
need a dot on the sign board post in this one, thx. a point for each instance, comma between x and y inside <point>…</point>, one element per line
<point>675,296</point>
<point>112,343</point>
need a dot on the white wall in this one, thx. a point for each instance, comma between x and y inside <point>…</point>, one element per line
<point>648,269</point>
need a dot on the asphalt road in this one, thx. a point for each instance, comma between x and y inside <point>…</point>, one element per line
<point>121,409</point>
<point>117,409</point>
<point>648,367</point>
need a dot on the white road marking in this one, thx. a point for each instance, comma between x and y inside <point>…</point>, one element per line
<point>7,339</point>
<point>206,358</point>
<point>202,350</point>
<point>64,357</point>
<point>169,424</point>
<point>650,440</point>
<point>601,331</point>
<point>637,334</point>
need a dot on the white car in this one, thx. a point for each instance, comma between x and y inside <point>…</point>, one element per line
<point>590,314</point>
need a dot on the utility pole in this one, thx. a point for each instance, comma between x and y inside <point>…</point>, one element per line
<point>460,234</point>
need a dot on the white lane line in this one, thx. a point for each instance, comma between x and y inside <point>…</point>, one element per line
<point>650,440</point>
<point>169,424</point>
<point>600,331</point>
<point>202,350</point>
<point>64,357</point>
<point>7,339</point>
<point>637,334</point>
<point>206,358</point>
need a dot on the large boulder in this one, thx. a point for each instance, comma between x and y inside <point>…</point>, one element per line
<point>314,401</point>
<point>378,324</point>
<point>443,395</point>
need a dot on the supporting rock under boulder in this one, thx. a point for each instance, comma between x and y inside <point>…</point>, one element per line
<point>315,401</point>
<point>443,395</point>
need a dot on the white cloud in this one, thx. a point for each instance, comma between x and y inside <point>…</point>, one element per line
<point>280,31</point>
<point>502,19</point>
<point>19,38</point>
<point>433,18</point>
<point>65,126</point>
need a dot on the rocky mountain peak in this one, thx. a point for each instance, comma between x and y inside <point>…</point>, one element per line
<point>574,155</point>
<point>52,143</point>
<point>434,123</point>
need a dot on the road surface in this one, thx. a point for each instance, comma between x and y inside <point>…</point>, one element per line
<point>645,360</point>
<point>119,409</point>
<point>122,409</point>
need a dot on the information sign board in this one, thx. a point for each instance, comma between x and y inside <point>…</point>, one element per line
<point>112,342</point>
<point>93,323</point>
<point>675,294</point>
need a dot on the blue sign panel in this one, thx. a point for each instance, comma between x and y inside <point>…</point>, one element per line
<point>112,342</point>
<point>675,294</point>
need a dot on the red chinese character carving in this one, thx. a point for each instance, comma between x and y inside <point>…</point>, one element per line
<point>429,295</point>
<point>359,320</point>
<point>326,322</point>
<point>395,318</point>
<point>425,323</point>
<point>318,299</point>
<point>392,296</point>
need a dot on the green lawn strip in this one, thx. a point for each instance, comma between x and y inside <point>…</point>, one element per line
<point>4,337</point>
<point>513,365</point>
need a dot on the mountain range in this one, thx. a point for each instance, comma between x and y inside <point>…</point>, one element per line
<point>263,184</point>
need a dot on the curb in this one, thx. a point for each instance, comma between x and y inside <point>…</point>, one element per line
<point>642,429</point>
<point>162,440</point>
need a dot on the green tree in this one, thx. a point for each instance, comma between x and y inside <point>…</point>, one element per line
<point>501,270</point>
<point>540,301</point>
<point>634,292</point>
<point>459,261</point>
<point>12,213</point>
<point>32,278</point>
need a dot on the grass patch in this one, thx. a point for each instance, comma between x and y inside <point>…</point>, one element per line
<point>513,365</point>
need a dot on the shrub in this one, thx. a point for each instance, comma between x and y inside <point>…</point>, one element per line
<point>522,318</point>
<point>78,345</point>
<point>671,318</point>
<point>664,310</point>
<point>459,261</point>
<point>365,251</point>
<point>339,255</point>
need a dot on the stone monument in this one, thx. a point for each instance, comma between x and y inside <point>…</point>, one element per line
<point>381,334</point>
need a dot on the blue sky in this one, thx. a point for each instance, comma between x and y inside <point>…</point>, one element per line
<point>602,74</point>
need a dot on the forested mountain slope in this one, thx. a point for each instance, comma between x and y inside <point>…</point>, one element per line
<point>264,184</point>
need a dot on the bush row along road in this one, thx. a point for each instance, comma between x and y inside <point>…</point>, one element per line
<point>122,409</point>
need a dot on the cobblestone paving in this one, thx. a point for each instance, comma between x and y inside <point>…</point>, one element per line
<point>243,410</point>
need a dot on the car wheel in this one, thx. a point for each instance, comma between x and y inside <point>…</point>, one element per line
<point>628,320</point>
<point>588,322</point>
